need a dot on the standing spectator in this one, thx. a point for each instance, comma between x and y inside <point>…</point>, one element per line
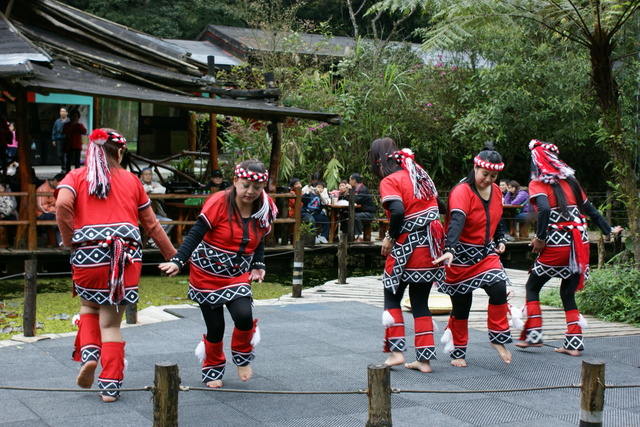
<point>58,138</point>
<point>367,209</point>
<point>153,187</point>
<point>216,182</point>
<point>73,131</point>
<point>99,208</point>
<point>12,148</point>
<point>415,238</point>
<point>5,140</point>
<point>471,254</point>
<point>561,242</point>
<point>226,250</point>
<point>47,204</point>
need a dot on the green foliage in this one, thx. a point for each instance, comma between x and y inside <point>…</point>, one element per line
<point>611,293</point>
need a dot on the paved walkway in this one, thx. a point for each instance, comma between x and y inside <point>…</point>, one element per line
<point>321,342</point>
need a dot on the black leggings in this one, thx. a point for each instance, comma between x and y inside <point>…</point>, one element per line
<point>418,295</point>
<point>240,311</point>
<point>568,288</point>
<point>462,302</point>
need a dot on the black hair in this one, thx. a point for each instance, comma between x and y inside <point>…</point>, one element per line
<point>381,164</point>
<point>59,177</point>
<point>293,181</point>
<point>252,165</point>
<point>488,154</point>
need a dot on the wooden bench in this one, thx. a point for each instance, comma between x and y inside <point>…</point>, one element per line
<point>383,226</point>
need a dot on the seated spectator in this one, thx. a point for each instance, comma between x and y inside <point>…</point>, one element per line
<point>47,204</point>
<point>293,184</point>
<point>519,196</point>
<point>315,179</point>
<point>216,182</point>
<point>154,187</point>
<point>313,213</point>
<point>8,205</point>
<point>367,208</point>
<point>504,183</point>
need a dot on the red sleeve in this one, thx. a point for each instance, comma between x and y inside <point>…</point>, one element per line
<point>459,199</point>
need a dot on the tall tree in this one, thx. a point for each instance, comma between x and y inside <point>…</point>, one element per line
<point>594,25</point>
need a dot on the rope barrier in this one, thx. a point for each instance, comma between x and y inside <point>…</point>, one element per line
<point>358,391</point>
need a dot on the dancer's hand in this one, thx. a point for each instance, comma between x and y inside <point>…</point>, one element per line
<point>501,248</point>
<point>169,268</point>
<point>257,274</point>
<point>538,245</point>
<point>446,258</point>
<point>617,229</point>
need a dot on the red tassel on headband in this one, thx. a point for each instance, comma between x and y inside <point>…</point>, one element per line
<point>549,168</point>
<point>423,186</point>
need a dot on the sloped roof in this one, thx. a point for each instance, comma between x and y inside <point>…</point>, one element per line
<point>198,51</point>
<point>16,52</point>
<point>88,55</point>
<point>247,39</point>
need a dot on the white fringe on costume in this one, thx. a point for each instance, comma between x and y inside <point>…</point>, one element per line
<point>582,322</point>
<point>255,340</point>
<point>516,317</point>
<point>200,351</point>
<point>387,319</point>
<point>447,340</point>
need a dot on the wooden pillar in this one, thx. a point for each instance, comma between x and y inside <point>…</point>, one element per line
<point>275,131</point>
<point>298,266</point>
<point>191,131</point>
<point>96,114</point>
<point>30,293</point>
<point>343,260</point>
<point>165,396</point>
<point>213,143</point>
<point>24,159</point>
<point>592,393</point>
<point>32,216</point>
<point>352,215</point>
<point>379,395</point>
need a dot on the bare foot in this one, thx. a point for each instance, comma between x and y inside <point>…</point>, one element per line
<point>459,363</point>
<point>418,365</point>
<point>505,354</point>
<point>574,353</point>
<point>396,358</point>
<point>215,384</point>
<point>245,372</point>
<point>525,344</point>
<point>87,373</point>
<point>108,399</point>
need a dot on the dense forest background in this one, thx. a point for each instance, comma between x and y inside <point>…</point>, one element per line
<point>508,83</point>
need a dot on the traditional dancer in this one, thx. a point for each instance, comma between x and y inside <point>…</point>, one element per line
<point>98,209</point>
<point>561,242</point>
<point>226,250</point>
<point>415,238</point>
<point>471,256</point>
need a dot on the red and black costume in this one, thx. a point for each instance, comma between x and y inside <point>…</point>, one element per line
<point>471,227</point>
<point>106,259</point>
<point>562,226</point>
<point>223,248</point>
<point>410,201</point>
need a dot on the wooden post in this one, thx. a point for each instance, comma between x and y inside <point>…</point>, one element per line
<point>297,216</point>
<point>32,216</point>
<point>379,395</point>
<point>30,292</point>
<point>592,393</point>
<point>342,260</point>
<point>298,265</point>
<point>275,130</point>
<point>24,158</point>
<point>352,215</point>
<point>165,396</point>
<point>131,314</point>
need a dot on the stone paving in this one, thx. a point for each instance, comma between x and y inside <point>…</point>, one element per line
<point>317,343</point>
